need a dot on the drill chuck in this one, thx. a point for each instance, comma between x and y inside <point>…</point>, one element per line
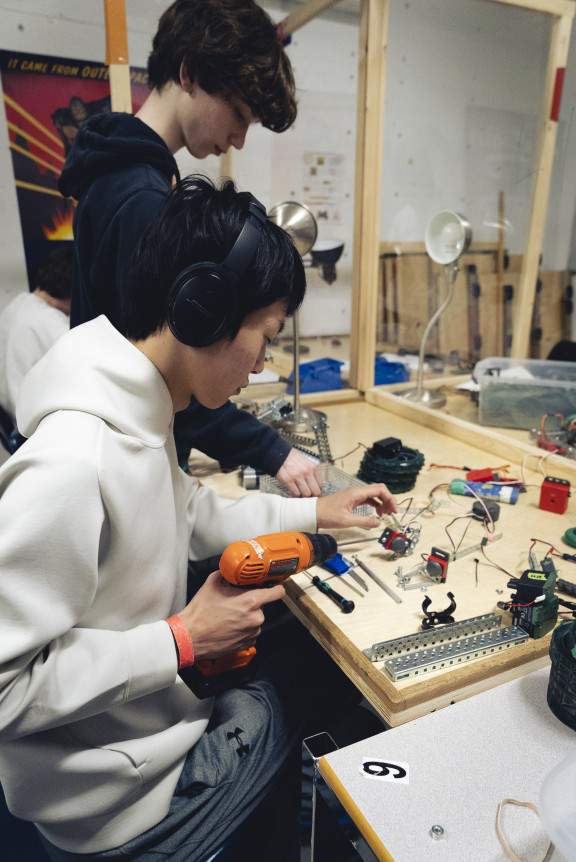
<point>324,547</point>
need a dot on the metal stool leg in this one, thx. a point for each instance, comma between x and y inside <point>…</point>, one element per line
<point>317,794</point>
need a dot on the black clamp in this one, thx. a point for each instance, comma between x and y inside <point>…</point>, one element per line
<point>435,618</point>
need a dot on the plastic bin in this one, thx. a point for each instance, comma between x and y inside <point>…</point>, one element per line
<point>319,375</point>
<point>516,393</point>
<point>389,372</point>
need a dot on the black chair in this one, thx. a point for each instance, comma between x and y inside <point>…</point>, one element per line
<point>19,839</point>
<point>10,437</point>
<point>563,351</point>
<point>6,428</point>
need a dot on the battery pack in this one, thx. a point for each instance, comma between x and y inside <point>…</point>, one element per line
<point>486,490</point>
<point>554,495</point>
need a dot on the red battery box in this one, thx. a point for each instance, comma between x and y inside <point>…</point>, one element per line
<point>554,495</point>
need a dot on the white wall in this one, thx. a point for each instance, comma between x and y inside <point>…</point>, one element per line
<point>463,95</point>
<point>463,101</point>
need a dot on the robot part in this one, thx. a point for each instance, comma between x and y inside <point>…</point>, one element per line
<point>401,541</point>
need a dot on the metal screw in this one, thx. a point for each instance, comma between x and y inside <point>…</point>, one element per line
<point>437,832</point>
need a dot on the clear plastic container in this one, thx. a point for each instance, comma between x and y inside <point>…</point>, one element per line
<point>516,393</point>
<point>557,805</point>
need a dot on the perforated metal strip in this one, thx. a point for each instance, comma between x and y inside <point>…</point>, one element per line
<point>454,653</point>
<point>433,637</point>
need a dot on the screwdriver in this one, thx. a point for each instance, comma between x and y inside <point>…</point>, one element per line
<point>346,605</point>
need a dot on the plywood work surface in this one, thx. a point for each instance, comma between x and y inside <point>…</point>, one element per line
<point>476,586</point>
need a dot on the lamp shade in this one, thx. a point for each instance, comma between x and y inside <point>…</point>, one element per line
<point>448,235</point>
<point>327,251</point>
<point>298,222</point>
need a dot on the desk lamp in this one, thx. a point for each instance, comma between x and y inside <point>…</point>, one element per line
<point>325,255</point>
<point>448,235</point>
<point>300,224</point>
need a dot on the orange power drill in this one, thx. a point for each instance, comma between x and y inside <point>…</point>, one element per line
<point>263,561</point>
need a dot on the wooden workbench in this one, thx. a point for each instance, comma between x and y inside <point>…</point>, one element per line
<point>444,440</point>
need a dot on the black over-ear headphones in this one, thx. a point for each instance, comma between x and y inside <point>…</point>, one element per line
<point>202,303</point>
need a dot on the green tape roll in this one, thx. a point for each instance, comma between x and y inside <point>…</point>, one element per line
<point>570,537</point>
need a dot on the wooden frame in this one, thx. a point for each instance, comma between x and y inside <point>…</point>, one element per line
<point>365,279</point>
<point>117,56</point>
<point>371,81</point>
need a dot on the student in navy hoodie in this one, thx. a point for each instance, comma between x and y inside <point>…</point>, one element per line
<point>215,69</point>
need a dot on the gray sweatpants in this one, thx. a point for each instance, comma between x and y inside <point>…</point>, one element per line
<point>249,747</point>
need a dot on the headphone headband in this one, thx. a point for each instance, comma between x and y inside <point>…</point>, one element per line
<point>240,255</point>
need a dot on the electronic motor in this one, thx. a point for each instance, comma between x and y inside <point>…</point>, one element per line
<point>533,606</point>
<point>437,565</point>
<point>400,542</point>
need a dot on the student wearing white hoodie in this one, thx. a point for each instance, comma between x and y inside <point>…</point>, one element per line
<point>102,745</point>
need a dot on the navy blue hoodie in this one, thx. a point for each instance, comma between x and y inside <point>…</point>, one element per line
<point>120,171</point>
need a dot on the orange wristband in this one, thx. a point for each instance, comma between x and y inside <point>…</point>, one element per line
<point>183,641</point>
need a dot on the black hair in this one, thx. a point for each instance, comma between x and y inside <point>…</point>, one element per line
<point>54,273</point>
<point>232,49</point>
<point>199,222</point>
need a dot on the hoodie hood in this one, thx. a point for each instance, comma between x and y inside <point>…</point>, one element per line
<point>108,143</point>
<point>93,369</point>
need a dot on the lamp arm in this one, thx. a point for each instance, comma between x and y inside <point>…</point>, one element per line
<point>296,371</point>
<point>450,271</point>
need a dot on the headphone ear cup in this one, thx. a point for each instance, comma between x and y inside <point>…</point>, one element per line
<point>202,305</point>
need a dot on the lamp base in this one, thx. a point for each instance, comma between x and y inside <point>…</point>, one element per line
<point>306,430</point>
<point>427,397</point>
<point>300,421</point>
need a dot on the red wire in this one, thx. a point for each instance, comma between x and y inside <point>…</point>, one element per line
<point>552,551</point>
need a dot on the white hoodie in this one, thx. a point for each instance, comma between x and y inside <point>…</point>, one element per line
<point>96,525</point>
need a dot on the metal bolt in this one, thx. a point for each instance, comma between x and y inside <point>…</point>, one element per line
<point>437,832</point>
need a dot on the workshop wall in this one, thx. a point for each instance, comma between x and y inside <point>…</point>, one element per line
<point>456,68</point>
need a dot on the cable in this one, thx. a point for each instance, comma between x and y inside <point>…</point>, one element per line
<point>494,565</point>
<point>398,472</point>
<point>469,516</point>
<point>351,452</point>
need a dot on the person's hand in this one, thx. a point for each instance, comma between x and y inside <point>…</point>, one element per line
<point>300,475</point>
<point>336,510</point>
<point>222,619</point>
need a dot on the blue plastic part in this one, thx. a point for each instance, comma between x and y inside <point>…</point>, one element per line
<point>320,375</point>
<point>337,565</point>
<point>389,372</point>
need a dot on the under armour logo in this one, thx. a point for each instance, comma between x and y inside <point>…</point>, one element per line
<point>242,749</point>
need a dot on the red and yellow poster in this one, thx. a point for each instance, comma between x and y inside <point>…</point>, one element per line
<point>47,99</point>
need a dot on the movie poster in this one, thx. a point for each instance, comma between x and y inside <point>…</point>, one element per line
<point>47,99</point>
